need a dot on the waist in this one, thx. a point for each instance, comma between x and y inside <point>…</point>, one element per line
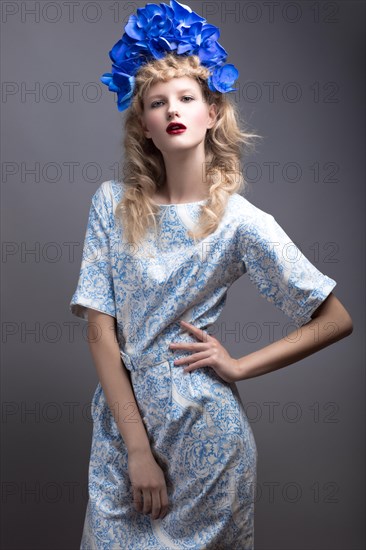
<point>156,355</point>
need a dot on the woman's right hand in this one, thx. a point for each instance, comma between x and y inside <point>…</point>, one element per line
<point>148,484</point>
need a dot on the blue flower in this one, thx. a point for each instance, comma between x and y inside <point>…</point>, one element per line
<point>210,52</point>
<point>122,84</point>
<point>158,29</point>
<point>223,78</point>
<point>127,53</point>
<point>184,16</point>
<point>150,22</point>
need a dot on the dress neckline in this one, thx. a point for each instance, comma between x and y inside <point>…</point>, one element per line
<point>180,203</point>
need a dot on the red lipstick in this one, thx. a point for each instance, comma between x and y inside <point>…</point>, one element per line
<point>175,128</point>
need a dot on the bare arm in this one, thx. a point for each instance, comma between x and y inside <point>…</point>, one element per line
<point>115,380</point>
<point>330,322</point>
<point>145,474</point>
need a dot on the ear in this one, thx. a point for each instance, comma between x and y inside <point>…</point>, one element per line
<point>212,114</point>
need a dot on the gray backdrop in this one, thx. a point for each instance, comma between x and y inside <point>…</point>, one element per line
<point>302,87</point>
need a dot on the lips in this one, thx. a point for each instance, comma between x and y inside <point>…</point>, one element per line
<point>175,127</point>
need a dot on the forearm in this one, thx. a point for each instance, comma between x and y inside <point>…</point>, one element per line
<point>115,381</point>
<point>331,323</point>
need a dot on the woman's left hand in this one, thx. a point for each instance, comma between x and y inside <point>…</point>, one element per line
<point>208,353</point>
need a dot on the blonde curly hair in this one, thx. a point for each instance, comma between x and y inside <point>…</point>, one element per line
<point>143,164</point>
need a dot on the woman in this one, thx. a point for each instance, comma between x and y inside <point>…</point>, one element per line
<point>173,458</point>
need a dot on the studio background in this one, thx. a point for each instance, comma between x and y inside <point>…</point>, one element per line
<point>302,87</point>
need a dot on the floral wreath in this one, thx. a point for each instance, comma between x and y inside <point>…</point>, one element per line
<point>157,30</point>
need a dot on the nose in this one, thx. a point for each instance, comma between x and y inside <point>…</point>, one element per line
<point>172,112</point>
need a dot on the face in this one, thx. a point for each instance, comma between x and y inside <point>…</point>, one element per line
<point>178,100</point>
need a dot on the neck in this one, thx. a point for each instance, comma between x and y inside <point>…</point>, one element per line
<point>185,176</point>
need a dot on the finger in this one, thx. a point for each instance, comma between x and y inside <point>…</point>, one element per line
<point>147,502</point>
<point>197,365</point>
<point>191,358</point>
<point>137,499</point>
<point>200,333</point>
<point>164,501</point>
<point>156,505</point>
<point>188,346</point>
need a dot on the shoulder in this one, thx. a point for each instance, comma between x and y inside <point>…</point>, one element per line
<point>245,213</point>
<point>105,200</point>
<point>109,192</point>
<point>107,196</point>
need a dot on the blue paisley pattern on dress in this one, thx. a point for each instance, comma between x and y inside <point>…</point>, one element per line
<point>196,423</point>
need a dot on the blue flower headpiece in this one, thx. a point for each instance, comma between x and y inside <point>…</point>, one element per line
<point>157,30</point>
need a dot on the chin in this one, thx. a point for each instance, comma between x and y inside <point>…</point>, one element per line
<point>181,145</point>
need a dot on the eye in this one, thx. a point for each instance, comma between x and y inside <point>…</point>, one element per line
<point>154,104</point>
<point>187,97</point>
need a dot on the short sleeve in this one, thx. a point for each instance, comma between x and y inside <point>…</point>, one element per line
<point>282,274</point>
<point>95,288</point>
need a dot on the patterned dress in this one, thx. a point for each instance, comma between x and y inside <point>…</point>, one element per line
<point>196,423</point>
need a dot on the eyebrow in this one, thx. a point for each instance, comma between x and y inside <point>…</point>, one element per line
<point>179,92</point>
